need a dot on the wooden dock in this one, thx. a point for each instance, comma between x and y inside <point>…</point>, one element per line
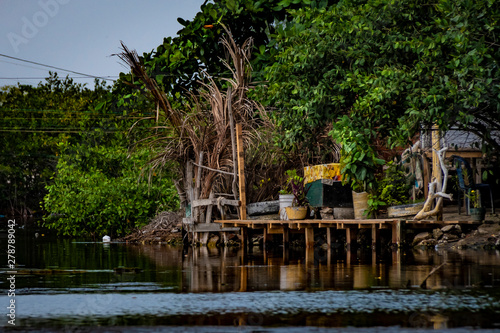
<point>351,227</point>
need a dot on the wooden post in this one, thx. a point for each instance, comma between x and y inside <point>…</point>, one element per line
<point>436,166</point>
<point>190,198</point>
<point>350,237</point>
<point>241,171</point>
<point>309,255</point>
<point>375,237</point>
<point>309,237</point>
<point>286,236</point>
<point>189,184</point>
<point>477,169</point>
<point>244,238</point>
<point>396,263</point>
<point>426,175</point>
<point>396,233</point>
<point>329,237</point>
<point>204,238</point>
<point>233,141</point>
<point>436,146</point>
<point>265,238</point>
<point>286,255</point>
<point>329,258</point>
<point>197,189</point>
<point>243,277</point>
<point>350,256</point>
<point>209,209</point>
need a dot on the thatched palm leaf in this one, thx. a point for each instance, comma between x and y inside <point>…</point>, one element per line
<point>204,123</point>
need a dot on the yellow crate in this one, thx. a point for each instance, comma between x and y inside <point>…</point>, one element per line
<point>321,171</point>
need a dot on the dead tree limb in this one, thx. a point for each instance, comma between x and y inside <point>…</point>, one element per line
<point>434,270</point>
<point>440,194</point>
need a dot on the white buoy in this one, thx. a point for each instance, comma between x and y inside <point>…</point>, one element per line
<point>106,239</point>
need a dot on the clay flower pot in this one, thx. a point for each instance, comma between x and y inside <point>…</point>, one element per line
<point>296,213</point>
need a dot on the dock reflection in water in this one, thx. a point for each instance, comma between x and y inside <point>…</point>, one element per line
<point>222,270</point>
<point>87,284</point>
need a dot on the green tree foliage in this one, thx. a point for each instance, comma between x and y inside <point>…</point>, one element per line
<point>45,128</point>
<point>99,190</point>
<point>33,121</point>
<point>177,62</point>
<point>383,68</point>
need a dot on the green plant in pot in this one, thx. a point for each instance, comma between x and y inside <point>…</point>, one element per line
<point>393,192</point>
<point>395,187</point>
<point>300,204</point>
<point>477,212</point>
<point>286,188</point>
<point>359,163</point>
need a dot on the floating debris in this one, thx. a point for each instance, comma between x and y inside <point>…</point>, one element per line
<point>127,270</point>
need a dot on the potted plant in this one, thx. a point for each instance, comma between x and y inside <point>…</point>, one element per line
<point>359,161</point>
<point>393,191</point>
<point>477,212</point>
<point>359,165</point>
<point>300,204</point>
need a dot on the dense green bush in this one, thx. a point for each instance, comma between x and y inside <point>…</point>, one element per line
<point>394,189</point>
<point>100,190</point>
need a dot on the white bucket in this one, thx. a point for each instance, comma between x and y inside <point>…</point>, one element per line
<point>285,201</point>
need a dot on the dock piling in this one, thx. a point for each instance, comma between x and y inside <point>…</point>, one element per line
<point>351,236</point>
<point>309,237</point>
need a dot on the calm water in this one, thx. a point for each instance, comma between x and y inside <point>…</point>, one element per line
<point>65,285</point>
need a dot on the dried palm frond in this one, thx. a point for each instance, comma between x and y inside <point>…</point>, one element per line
<point>131,58</point>
<point>203,127</point>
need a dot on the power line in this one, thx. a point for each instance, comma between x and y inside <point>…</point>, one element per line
<point>85,112</point>
<point>58,68</point>
<point>21,65</point>
<point>44,77</point>
<point>58,131</point>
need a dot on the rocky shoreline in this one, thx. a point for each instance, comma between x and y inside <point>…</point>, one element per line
<point>485,236</point>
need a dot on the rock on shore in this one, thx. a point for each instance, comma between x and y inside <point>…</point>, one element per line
<point>486,236</point>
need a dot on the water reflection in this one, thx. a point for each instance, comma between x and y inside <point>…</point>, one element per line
<point>219,270</point>
<point>121,283</point>
<point>98,266</point>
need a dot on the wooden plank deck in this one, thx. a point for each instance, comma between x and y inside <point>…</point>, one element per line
<point>351,227</point>
<point>340,224</point>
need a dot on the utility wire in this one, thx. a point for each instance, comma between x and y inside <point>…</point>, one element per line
<point>58,131</point>
<point>69,111</point>
<point>22,65</point>
<point>58,68</point>
<point>214,75</point>
<point>60,118</point>
<point>44,77</point>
